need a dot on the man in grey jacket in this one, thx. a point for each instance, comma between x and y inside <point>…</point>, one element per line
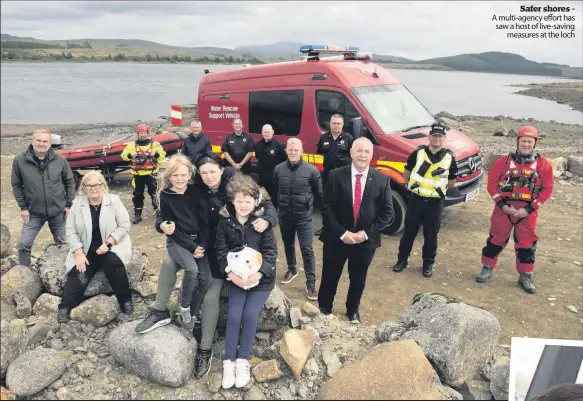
<point>44,188</point>
<point>297,183</point>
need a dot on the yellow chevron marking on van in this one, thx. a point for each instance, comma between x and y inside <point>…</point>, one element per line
<point>399,166</point>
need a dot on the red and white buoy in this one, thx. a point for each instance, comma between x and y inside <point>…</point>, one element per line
<point>176,115</point>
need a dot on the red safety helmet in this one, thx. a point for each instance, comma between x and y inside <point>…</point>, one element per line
<point>527,131</point>
<point>143,128</point>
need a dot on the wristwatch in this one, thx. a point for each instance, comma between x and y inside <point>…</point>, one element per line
<point>109,245</point>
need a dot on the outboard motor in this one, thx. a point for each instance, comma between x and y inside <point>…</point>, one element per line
<point>56,142</point>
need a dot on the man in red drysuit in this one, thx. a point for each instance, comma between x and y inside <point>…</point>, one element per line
<point>519,184</point>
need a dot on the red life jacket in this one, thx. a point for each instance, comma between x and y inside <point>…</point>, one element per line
<point>144,160</point>
<point>520,181</point>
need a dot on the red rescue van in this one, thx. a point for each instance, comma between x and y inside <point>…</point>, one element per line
<point>298,98</point>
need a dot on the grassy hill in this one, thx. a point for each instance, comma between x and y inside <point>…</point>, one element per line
<point>498,62</point>
<point>17,48</point>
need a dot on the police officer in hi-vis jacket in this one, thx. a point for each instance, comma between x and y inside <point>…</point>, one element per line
<point>145,156</point>
<point>430,171</point>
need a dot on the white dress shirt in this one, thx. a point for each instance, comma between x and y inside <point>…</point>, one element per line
<point>353,172</point>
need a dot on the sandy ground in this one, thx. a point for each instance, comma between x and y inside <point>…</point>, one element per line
<point>558,273</point>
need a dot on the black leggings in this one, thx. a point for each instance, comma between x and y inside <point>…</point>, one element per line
<point>115,273</point>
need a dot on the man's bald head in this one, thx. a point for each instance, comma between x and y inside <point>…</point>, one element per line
<point>267,132</point>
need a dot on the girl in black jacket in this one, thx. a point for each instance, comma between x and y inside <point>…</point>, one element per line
<point>235,231</point>
<point>181,208</point>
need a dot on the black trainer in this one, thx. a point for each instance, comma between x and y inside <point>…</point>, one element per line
<point>353,317</point>
<point>63,315</point>
<point>525,281</point>
<point>325,311</point>
<point>289,276</point>
<point>485,274</point>
<point>154,319</point>
<point>401,265</point>
<point>427,269</point>
<point>137,219</point>
<point>202,362</point>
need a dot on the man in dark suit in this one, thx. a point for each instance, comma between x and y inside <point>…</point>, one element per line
<point>357,206</point>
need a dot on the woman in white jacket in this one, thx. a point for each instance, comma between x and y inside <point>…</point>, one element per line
<point>97,232</point>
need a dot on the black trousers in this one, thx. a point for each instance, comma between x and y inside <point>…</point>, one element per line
<point>141,181</point>
<point>267,182</point>
<point>335,256</point>
<point>77,282</point>
<point>426,211</point>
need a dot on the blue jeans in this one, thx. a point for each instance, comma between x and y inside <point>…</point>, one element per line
<point>31,230</point>
<point>303,227</point>
<point>242,318</point>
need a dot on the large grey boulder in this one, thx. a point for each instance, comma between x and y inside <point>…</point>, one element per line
<point>4,241</point>
<point>51,266</point>
<point>498,372</point>
<point>7,311</point>
<point>13,342</point>
<point>46,305</point>
<point>575,165</point>
<point>34,371</point>
<point>391,371</point>
<point>23,280</point>
<point>97,311</point>
<point>135,271</point>
<point>52,272</point>
<point>458,339</point>
<point>163,356</point>
<point>273,316</point>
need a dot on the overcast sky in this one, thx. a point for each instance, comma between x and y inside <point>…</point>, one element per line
<point>416,30</point>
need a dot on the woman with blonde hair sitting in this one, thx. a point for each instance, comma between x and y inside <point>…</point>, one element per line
<point>97,232</point>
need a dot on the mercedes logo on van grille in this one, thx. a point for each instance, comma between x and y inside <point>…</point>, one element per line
<point>472,164</point>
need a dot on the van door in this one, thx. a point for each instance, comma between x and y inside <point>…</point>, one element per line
<point>217,112</point>
<point>330,102</point>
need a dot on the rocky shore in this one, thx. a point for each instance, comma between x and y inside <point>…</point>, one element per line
<point>299,353</point>
<point>570,93</point>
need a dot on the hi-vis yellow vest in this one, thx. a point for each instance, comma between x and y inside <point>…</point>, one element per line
<point>427,184</point>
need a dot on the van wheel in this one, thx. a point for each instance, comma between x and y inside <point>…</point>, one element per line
<point>78,177</point>
<point>400,210</point>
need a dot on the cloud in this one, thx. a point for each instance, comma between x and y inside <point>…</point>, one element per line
<point>417,30</point>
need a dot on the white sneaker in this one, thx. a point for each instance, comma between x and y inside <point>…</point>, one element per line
<point>228,374</point>
<point>243,373</point>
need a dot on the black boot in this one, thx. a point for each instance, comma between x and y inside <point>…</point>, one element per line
<point>137,218</point>
<point>202,363</point>
<point>525,281</point>
<point>401,265</point>
<point>485,274</point>
<point>427,269</point>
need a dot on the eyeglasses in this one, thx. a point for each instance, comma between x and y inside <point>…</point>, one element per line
<point>92,187</point>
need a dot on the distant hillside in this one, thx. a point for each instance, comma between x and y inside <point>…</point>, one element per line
<point>274,51</point>
<point>382,58</point>
<point>18,48</point>
<point>497,62</point>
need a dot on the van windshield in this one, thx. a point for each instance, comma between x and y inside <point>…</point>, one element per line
<point>393,107</point>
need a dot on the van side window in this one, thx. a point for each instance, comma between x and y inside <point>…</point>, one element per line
<point>329,103</point>
<point>282,109</point>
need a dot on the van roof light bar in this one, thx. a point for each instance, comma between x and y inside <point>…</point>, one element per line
<point>313,51</point>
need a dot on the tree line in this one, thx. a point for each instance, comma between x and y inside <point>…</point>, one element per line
<point>19,55</point>
<point>19,44</point>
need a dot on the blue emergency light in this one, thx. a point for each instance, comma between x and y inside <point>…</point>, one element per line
<point>328,49</point>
